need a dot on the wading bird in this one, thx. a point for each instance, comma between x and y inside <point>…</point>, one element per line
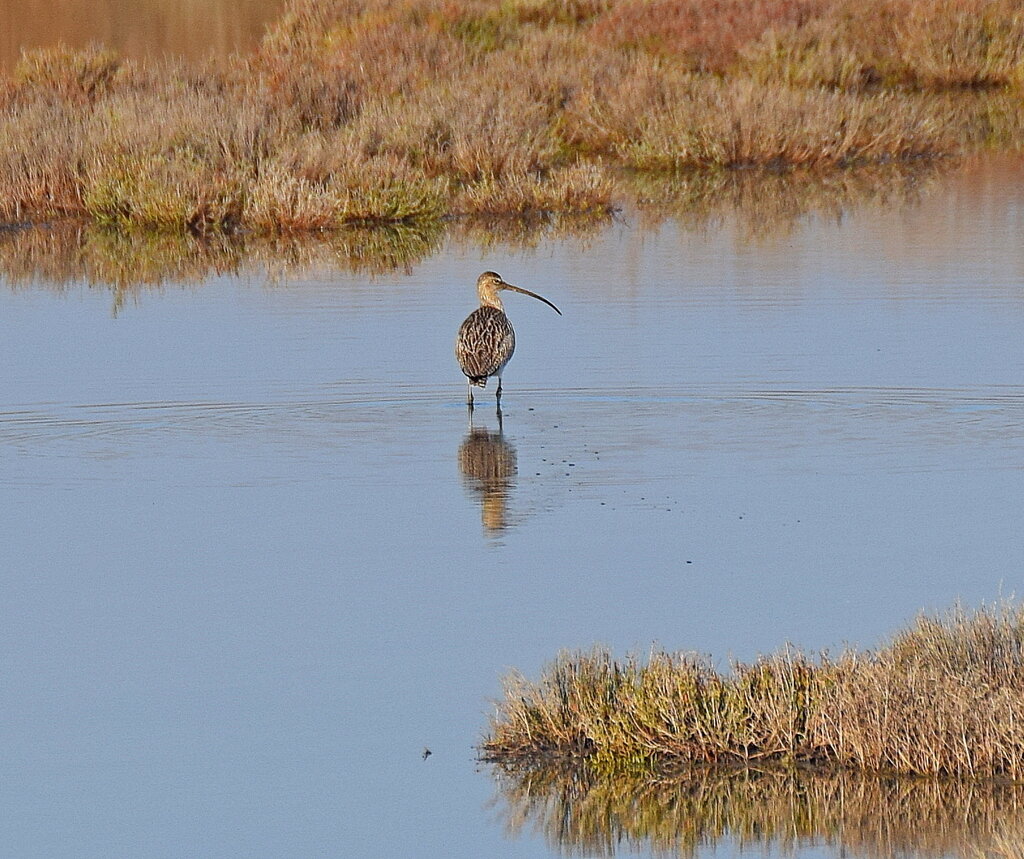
<point>486,340</point>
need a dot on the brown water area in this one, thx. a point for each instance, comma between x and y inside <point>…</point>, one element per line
<point>135,28</point>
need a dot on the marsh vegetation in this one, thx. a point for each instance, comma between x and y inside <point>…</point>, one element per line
<point>389,111</point>
<point>129,260</point>
<point>943,698</point>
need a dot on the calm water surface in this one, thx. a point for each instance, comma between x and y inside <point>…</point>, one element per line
<point>135,28</point>
<point>255,558</point>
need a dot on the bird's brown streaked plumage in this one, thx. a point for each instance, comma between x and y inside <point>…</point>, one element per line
<point>485,344</point>
<point>486,339</point>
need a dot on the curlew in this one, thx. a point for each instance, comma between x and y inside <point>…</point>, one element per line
<point>486,340</point>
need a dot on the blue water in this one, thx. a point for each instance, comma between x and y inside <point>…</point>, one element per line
<point>245,582</point>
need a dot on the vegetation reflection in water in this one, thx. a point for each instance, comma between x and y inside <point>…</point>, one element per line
<point>771,203</point>
<point>130,260</point>
<point>137,258</point>
<point>581,811</point>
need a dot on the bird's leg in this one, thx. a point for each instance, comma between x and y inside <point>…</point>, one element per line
<point>499,393</point>
<point>469,398</point>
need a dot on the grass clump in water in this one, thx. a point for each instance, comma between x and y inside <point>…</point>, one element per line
<point>942,698</point>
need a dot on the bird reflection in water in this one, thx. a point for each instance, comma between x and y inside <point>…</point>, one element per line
<point>488,465</point>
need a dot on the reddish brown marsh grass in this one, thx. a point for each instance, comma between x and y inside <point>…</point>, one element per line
<point>394,111</point>
<point>706,34</point>
<point>943,698</point>
<point>921,44</point>
<point>740,124</point>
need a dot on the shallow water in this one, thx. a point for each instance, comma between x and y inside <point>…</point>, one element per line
<point>135,28</point>
<point>255,558</point>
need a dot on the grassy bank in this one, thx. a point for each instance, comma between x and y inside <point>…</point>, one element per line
<point>943,698</point>
<point>770,204</point>
<point>582,812</point>
<point>392,111</point>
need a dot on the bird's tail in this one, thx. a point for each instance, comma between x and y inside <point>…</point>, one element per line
<point>479,381</point>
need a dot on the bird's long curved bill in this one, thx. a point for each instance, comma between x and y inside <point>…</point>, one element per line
<point>532,295</point>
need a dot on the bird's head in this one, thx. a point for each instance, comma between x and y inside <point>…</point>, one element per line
<point>489,284</point>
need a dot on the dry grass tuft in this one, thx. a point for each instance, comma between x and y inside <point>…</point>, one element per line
<point>959,43</point>
<point>715,124</point>
<point>368,191</point>
<point>943,698</point>
<point>1005,844</point>
<point>581,189</point>
<point>75,75</point>
<point>922,44</point>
